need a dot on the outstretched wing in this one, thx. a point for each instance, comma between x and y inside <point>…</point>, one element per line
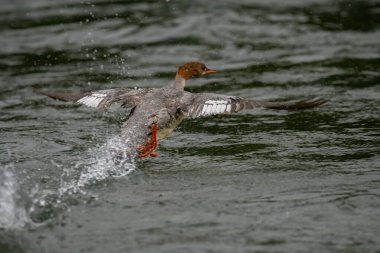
<point>127,97</point>
<point>206,104</point>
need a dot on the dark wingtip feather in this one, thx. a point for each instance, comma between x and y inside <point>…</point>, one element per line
<point>72,97</point>
<point>309,103</point>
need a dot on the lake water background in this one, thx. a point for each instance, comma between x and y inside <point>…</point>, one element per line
<point>258,181</point>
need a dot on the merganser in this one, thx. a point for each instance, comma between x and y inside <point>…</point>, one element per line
<point>157,111</point>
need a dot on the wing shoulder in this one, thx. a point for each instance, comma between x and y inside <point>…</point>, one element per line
<point>207,104</point>
<point>126,97</point>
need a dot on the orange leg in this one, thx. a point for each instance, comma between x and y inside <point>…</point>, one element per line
<point>150,146</point>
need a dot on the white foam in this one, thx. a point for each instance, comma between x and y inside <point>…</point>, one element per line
<point>112,159</point>
<point>12,214</point>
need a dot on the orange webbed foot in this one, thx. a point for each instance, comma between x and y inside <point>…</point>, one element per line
<point>148,149</point>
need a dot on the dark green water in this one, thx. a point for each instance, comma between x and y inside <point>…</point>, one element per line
<point>259,181</point>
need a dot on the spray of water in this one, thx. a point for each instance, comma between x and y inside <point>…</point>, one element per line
<point>113,159</point>
<point>13,214</point>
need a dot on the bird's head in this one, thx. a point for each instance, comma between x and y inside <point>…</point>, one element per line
<point>194,69</point>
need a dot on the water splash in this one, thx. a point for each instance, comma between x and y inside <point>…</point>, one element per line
<point>113,159</point>
<point>13,215</point>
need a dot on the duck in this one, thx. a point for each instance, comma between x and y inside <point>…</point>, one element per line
<point>156,112</point>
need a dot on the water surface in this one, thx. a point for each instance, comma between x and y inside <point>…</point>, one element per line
<point>258,181</point>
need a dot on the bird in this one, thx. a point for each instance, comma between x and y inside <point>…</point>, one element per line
<point>156,112</point>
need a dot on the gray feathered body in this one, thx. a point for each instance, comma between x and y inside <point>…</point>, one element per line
<point>160,106</point>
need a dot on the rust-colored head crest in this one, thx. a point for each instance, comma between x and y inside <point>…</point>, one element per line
<point>194,69</point>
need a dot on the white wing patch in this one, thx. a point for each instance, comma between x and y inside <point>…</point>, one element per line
<point>211,107</point>
<point>92,100</point>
